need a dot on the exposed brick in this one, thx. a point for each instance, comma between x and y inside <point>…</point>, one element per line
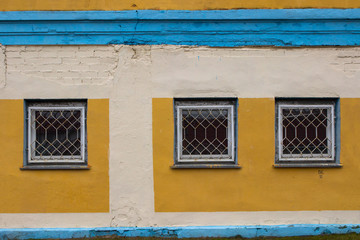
<point>91,61</point>
<point>64,64</point>
<point>99,80</point>
<point>15,60</point>
<point>43,61</point>
<point>28,55</point>
<point>103,54</point>
<point>33,48</point>
<point>84,54</point>
<point>91,74</point>
<point>108,60</point>
<point>103,73</point>
<point>63,67</point>
<point>72,74</point>
<point>80,67</point>
<point>15,48</point>
<point>71,61</point>
<point>14,54</point>
<point>66,54</point>
<point>44,54</point>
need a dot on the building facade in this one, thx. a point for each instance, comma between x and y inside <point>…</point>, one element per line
<point>163,118</point>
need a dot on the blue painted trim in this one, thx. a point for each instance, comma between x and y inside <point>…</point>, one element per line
<point>244,14</point>
<point>182,232</point>
<point>218,28</point>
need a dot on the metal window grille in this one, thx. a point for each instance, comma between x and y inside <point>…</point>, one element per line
<point>56,134</point>
<point>306,132</point>
<point>205,133</point>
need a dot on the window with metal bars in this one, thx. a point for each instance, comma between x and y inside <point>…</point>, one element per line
<point>56,133</point>
<point>306,132</point>
<point>205,131</point>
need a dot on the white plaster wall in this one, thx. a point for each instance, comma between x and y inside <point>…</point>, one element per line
<point>132,75</point>
<point>3,65</point>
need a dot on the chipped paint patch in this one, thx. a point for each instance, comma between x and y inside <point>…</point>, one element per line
<point>181,232</point>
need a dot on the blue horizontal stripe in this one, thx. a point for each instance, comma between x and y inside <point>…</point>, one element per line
<point>218,28</point>
<point>181,232</point>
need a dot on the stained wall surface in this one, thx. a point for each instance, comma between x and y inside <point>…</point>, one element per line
<point>139,83</point>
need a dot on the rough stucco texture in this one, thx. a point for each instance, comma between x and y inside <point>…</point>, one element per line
<point>131,76</point>
<point>3,65</point>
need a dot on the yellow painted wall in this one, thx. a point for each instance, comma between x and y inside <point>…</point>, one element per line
<point>53,191</point>
<point>258,186</point>
<point>67,5</point>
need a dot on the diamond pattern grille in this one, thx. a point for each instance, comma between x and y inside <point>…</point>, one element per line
<point>205,132</point>
<point>307,132</point>
<point>56,134</point>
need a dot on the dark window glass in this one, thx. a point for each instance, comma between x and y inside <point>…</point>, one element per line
<point>205,131</point>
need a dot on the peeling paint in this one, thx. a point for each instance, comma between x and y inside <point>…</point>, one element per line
<point>66,66</point>
<point>127,215</point>
<point>216,28</point>
<point>179,232</point>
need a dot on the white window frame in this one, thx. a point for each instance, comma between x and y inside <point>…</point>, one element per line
<point>330,132</point>
<point>229,158</point>
<point>31,134</point>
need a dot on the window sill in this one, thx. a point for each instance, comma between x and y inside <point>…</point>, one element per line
<point>206,166</point>
<point>307,165</point>
<point>56,167</point>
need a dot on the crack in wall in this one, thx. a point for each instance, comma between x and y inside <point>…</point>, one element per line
<point>4,77</point>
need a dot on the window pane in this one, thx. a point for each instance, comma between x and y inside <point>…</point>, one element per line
<point>306,131</point>
<point>57,133</point>
<point>205,131</point>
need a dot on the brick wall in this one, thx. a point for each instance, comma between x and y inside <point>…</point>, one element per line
<point>68,65</point>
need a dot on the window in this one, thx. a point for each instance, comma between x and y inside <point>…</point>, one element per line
<point>205,133</point>
<point>56,134</point>
<point>306,133</point>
